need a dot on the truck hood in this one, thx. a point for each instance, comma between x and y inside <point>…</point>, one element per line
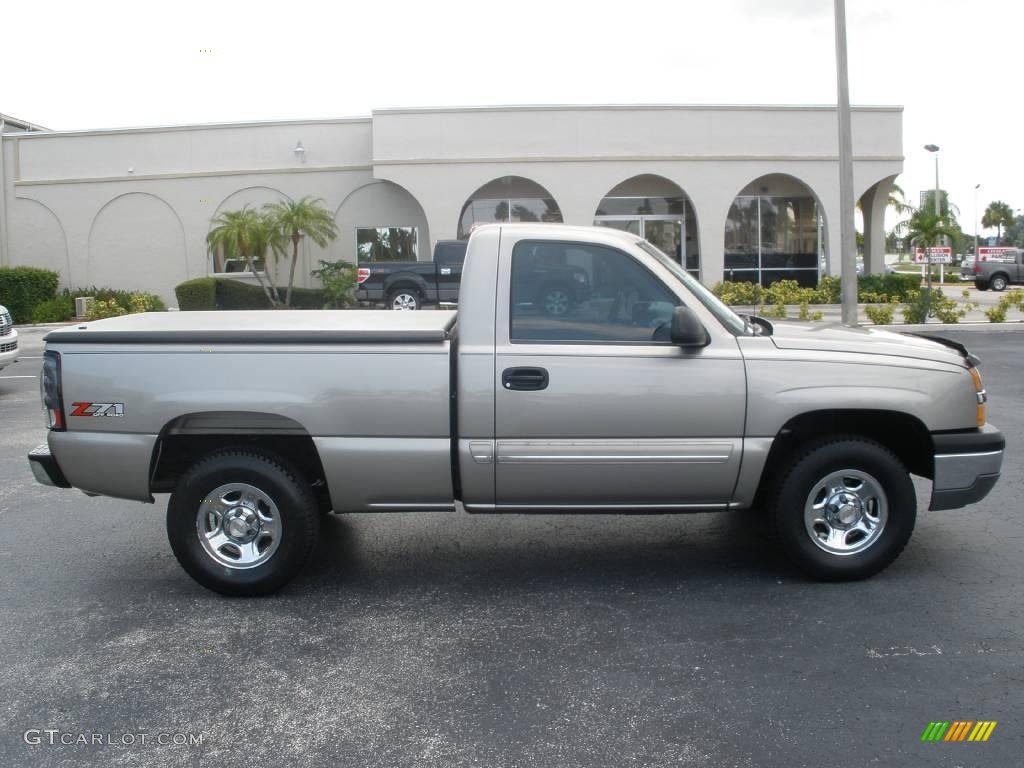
<point>832,337</point>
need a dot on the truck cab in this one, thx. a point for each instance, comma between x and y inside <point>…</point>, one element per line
<point>636,391</point>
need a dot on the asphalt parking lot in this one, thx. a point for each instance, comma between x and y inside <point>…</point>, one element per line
<point>454,640</point>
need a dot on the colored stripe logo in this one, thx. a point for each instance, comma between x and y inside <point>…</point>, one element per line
<point>958,730</point>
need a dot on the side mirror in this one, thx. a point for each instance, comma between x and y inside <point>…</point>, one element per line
<point>686,330</point>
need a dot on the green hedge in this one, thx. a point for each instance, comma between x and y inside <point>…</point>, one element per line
<point>870,289</point>
<point>22,288</point>
<point>61,308</point>
<point>207,293</point>
<point>197,294</point>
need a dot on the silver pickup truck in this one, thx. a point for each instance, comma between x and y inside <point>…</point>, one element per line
<point>642,394</point>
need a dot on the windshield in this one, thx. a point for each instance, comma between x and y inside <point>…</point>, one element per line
<point>725,316</point>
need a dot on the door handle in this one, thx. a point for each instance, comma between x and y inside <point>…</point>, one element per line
<point>446,270</point>
<point>524,379</point>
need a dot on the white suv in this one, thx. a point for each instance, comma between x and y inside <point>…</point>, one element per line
<point>8,339</point>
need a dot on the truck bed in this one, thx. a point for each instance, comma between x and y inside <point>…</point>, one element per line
<point>263,326</point>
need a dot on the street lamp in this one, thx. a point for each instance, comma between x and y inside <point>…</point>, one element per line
<point>847,233</point>
<point>976,188</point>
<point>934,149</point>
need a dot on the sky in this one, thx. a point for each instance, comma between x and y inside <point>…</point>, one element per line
<point>954,66</point>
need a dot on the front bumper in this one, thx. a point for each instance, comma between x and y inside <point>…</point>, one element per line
<point>8,348</point>
<point>967,466</point>
<point>45,468</point>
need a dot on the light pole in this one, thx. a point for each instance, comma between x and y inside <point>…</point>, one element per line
<point>934,149</point>
<point>976,188</point>
<point>847,233</point>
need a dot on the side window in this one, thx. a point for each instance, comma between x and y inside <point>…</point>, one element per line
<point>574,292</point>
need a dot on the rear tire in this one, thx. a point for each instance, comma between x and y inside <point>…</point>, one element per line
<point>242,522</point>
<point>999,282</point>
<point>846,508</point>
<point>556,299</point>
<point>405,300</point>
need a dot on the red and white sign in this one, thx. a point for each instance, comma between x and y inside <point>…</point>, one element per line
<point>996,254</point>
<point>938,255</point>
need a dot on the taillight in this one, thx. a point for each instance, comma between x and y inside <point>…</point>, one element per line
<point>363,275</point>
<point>976,269</point>
<point>50,391</point>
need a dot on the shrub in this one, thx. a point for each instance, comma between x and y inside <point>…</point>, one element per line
<point>996,314</point>
<point>806,314</point>
<point>1007,301</point>
<point>55,310</point>
<point>101,309</point>
<point>208,293</point>
<point>23,288</point>
<point>827,291</point>
<point>880,314</point>
<point>739,292</point>
<point>198,294</point>
<point>339,279</point>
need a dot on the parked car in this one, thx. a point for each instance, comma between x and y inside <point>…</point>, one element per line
<point>996,273</point>
<point>886,268</point>
<point>8,339</point>
<point>646,394</point>
<point>410,285</point>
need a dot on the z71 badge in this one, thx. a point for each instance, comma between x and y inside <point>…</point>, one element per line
<point>98,409</point>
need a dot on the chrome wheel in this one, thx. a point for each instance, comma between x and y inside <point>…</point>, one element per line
<point>405,302</point>
<point>846,512</point>
<point>998,283</point>
<point>239,525</point>
<point>556,302</point>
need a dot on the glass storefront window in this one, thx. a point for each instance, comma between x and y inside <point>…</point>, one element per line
<point>666,222</point>
<point>386,244</point>
<point>488,210</point>
<point>772,238</point>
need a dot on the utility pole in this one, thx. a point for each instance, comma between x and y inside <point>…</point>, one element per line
<point>848,243</point>
<point>976,188</point>
<point>934,149</point>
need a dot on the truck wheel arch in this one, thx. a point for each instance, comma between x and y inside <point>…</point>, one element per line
<point>903,434</point>
<point>188,438</point>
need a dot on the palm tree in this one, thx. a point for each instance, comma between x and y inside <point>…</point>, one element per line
<point>926,229</point>
<point>896,200</point>
<point>306,218</point>
<point>998,214</point>
<point>246,235</point>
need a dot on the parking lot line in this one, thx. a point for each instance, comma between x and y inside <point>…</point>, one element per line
<point>17,377</point>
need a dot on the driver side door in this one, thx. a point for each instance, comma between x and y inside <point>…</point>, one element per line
<point>594,408</point>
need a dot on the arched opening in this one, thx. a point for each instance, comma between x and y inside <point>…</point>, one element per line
<point>774,232</point>
<point>381,221</point>
<point>659,211</point>
<point>248,197</point>
<point>510,198</point>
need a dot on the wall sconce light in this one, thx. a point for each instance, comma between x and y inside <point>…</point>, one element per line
<point>131,169</point>
<point>300,152</point>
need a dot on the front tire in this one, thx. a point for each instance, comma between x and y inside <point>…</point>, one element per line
<point>242,522</point>
<point>846,509</point>
<point>981,285</point>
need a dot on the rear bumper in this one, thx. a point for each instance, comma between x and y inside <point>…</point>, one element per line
<point>967,466</point>
<point>45,468</point>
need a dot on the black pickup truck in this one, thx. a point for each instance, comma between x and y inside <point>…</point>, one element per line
<point>412,284</point>
<point>409,285</point>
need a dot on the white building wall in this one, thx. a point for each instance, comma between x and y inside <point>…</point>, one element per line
<point>59,203</point>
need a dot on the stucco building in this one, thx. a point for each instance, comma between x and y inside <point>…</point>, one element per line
<point>741,192</point>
